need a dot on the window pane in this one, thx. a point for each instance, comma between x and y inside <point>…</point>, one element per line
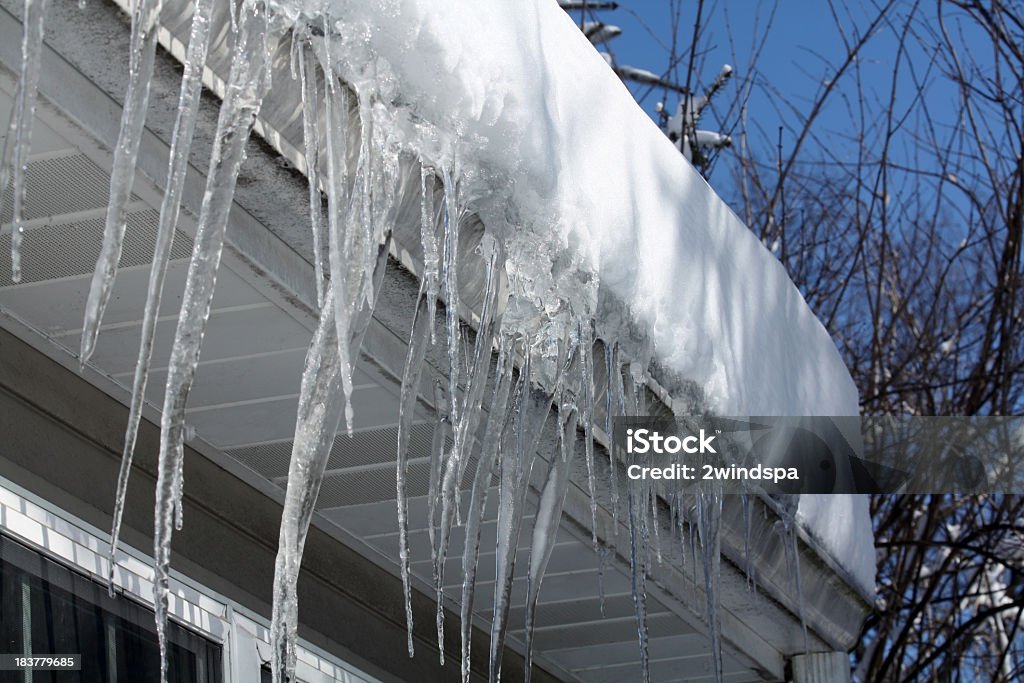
<point>48,609</point>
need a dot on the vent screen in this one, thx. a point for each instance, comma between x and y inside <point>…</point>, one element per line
<point>63,247</point>
<point>58,251</point>
<point>61,185</point>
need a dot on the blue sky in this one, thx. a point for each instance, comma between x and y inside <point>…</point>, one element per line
<point>803,44</point>
<point>800,43</point>
<point>799,29</point>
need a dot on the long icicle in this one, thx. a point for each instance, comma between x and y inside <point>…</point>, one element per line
<point>340,226</point>
<point>586,332</point>
<point>451,217</point>
<point>533,407</point>
<point>509,473</point>
<point>709,523</point>
<point>448,263</point>
<point>145,14</point>
<point>786,529</point>
<point>748,510</point>
<point>375,276</point>
<point>438,450</point>
<point>428,234</point>
<point>352,247</point>
<point>181,142</point>
<point>19,136</point>
<point>422,324</point>
<point>321,403</point>
<point>310,122</point>
<point>638,571</point>
<point>552,494</point>
<point>489,450</point>
<point>612,409</point>
<point>545,527</point>
<point>244,94</point>
<point>490,319</point>
<point>656,526</point>
<point>465,423</point>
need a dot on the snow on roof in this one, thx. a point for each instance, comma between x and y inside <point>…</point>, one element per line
<point>538,110</point>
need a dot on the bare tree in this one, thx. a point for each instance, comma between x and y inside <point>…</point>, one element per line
<point>903,230</point>
<point>902,226</point>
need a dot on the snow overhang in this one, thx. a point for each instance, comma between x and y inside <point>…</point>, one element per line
<point>271,253</point>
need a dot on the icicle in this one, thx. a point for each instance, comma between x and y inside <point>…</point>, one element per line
<point>629,399</point>
<point>604,555</point>
<point>385,178</point>
<point>545,527</point>
<point>467,416</point>
<point>181,141</point>
<point>321,402</point>
<point>656,525</point>
<point>748,565</point>
<point>692,536</point>
<point>532,408</point>
<point>449,275</point>
<point>489,450</point>
<point>340,232</point>
<point>638,572</point>
<point>786,529</point>
<point>678,527</point>
<point>422,323</point>
<point>476,382</point>
<point>246,86</point>
<point>133,118</point>
<point>428,234</point>
<point>442,428</point>
<point>19,137</point>
<point>613,408</point>
<point>353,239</point>
<point>638,375</point>
<point>709,522</point>
<point>295,53</point>
<point>586,333</point>
<point>510,473</point>
<point>306,62</point>
<point>375,277</point>
<point>233,12</point>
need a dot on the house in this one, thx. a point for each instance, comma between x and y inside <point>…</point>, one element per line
<point>62,432</point>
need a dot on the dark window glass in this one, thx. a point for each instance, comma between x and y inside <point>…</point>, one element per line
<point>49,609</point>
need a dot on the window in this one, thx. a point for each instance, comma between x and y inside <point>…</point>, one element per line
<point>46,608</point>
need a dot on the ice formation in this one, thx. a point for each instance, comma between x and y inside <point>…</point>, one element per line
<point>19,137</point>
<point>477,99</point>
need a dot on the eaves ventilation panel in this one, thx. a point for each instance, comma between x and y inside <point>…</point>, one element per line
<point>61,184</point>
<point>65,204</point>
<point>53,252</point>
